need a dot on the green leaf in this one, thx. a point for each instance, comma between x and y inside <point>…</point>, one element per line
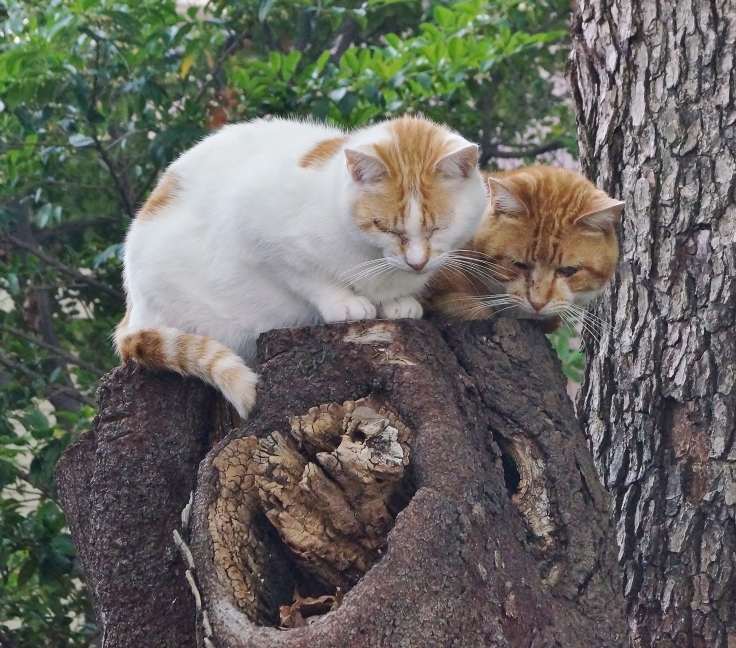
<point>27,571</point>
<point>126,21</point>
<point>7,473</point>
<point>63,545</point>
<point>320,63</point>
<point>288,67</point>
<point>264,9</point>
<point>393,40</point>
<point>34,419</point>
<point>456,48</point>
<point>78,140</point>
<point>12,283</point>
<point>43,215</point>
<point>444,17</point>
<point>113,251</point>
<point>275,59</point>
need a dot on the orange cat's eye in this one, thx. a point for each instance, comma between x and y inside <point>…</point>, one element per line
<point>522,266</point>
<point>567,271</point>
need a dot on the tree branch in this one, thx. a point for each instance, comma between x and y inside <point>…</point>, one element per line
<point>24,476</point>
<point>229,50</point>
<point>305,29</point>
<point>493,151</point>
<point>72,272</point>
<point>71,226</point>
<point>147,185</point>
<point>34,375</point>
<point>344,39</point>
<point>122,190</point>
<point>5,641</point>
<point>74,359</point>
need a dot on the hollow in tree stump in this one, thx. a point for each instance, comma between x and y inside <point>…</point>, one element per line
<point>398,484</point>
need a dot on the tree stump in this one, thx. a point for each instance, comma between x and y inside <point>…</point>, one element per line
<point>399,484</point>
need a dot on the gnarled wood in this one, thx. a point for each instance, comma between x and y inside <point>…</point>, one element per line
<point>498,532</point>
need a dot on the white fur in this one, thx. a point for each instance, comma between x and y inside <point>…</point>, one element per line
<point>254,242</point>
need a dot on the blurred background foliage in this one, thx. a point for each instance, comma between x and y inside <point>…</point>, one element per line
<point>97,97</point>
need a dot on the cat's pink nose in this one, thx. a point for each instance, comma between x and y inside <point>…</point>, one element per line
<point>418,266</point>
<point>537,305</point>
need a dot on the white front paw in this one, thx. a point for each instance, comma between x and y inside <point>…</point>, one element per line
<point>348,310</point>
<point>404,307</point>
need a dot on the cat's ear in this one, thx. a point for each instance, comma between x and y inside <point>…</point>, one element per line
<point>503,200</point>
<point>459,159</point>
<point>365,167</point>
<point>604,217</point>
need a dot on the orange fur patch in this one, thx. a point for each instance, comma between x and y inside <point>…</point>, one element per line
<point>322,152</point>
<point>223,353</point>
<point>545,238</point>
<point>231,375</point>
<point>145,347</point>
<point>410,156</point>
<point>161,196</point>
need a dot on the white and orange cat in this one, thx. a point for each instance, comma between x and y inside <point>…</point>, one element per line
<point>272,224</point>
<point>545,247</point>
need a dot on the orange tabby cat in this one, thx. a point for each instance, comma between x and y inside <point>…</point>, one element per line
<point>546,246</point>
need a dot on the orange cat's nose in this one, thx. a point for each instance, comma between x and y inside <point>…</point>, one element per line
<point>537,305</point>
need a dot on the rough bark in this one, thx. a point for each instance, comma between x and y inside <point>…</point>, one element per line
<point>502,537</point>
<point>654,89</point>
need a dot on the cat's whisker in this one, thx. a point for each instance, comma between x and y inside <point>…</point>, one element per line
<point>596,334</point>
<point>374,276</point>
<point>495,268</point>
<point>588,313</point>
<point>480,304</point>
<point>357,270</point>
<point>501,310</point>
<point>463,274</point>
<point>469,269</point>
<point>483,298</point>
<point>370,272</point>
<point>569,323</point>
<point>593,323</point>
<point>474,254</point>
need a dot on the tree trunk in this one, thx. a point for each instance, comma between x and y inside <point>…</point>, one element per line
<point>654,88</point>
<point>463,436</point>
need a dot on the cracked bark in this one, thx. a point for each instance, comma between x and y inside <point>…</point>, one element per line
<point>654,87</point>
<point>502,538</point>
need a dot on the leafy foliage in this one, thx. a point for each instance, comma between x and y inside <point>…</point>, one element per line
<point>573,360</point>
<point>98,96</point>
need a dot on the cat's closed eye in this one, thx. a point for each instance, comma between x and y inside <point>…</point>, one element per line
<point>567,271</point>
<point>520,265</point>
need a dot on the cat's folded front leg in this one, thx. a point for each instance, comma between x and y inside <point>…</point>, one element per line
<point>403,307</point>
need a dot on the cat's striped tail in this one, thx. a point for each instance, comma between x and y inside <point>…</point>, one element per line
<point>191,355</point>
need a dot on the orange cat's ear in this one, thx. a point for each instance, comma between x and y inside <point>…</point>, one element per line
<point>604,217</point>
<point>365,167</point>
<point>459,159</point>
<point>503,200</point>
